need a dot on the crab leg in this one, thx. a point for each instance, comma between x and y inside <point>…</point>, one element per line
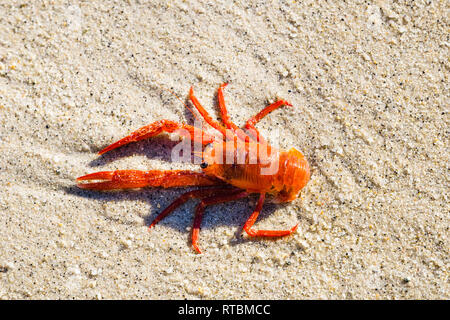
<point>213,123</point>
<point>201,209</point>
<point>158,127</point>
<point>226,119</point>
<point>250,124</point>
<point>223,110</point>
<point>264,233</point>
<point>195,194</point>
<point>127,179</point>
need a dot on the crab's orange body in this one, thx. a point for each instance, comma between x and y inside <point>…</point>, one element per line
<point>238,164</point>
<point>279,173</point>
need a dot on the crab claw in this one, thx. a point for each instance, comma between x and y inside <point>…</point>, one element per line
<point>110,180</point>
<point>155,128</point>
<point>130,179</point>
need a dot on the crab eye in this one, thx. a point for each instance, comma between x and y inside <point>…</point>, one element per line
<point>203,165</point>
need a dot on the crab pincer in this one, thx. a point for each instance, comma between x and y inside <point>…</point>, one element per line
<point>131,179</point>
<point>158,127</point>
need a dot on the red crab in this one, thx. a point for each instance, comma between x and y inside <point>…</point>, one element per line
<point>222,181</point>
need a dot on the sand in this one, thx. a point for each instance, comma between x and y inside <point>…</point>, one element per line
<point>369,85</point>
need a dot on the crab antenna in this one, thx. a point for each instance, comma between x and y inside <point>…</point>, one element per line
<point>174,94</point>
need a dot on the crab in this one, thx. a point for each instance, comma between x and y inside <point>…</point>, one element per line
<point>222,180</point>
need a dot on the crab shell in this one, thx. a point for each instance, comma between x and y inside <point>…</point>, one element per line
<point>257,167</point>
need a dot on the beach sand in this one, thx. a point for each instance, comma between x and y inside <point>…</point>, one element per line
<point>369,86</point>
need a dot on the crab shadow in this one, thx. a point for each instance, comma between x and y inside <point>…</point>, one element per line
<point>234,213</point>
<point>159,147</point>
